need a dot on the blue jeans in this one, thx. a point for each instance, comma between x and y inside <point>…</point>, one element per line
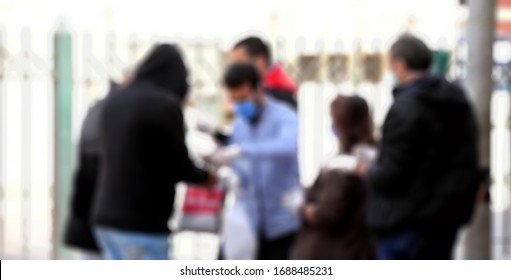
<point>124,245</point>
<point>88,256</point>
<point>416,245</point>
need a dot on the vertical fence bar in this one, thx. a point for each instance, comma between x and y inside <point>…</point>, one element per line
<point>113,61</point>
<point>63,135</point>
<point>2,137</point>
<point>26,148</point>
<point>134,48</point>
<point>441,62</point>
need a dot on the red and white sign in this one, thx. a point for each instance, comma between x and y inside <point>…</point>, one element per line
<point>203,200</point>
<point>202,209</point>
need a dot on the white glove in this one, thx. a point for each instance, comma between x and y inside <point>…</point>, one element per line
<point>294,200</point>
<point>226,155</point>
<point>365,154</point>
<point>229,179</point>
<point>342,162</point>
<point>206,125</point>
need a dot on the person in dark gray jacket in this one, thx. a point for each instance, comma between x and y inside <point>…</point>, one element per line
<point>422,188</point>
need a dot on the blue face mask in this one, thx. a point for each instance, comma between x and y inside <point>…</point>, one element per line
<point>246,109</point>
<point>336,132</point>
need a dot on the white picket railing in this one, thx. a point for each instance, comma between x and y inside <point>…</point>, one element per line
<point>26,135</point>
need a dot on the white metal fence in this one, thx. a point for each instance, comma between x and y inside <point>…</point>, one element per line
<point>27,127</point>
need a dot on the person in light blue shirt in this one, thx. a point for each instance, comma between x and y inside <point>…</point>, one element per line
<point>264,152</point>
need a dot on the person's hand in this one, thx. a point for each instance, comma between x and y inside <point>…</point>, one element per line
<point>362,169</point>
<point>226,155</point>
<point>294,200</point>
<point>483,194</point>
<point>212,180</point>
<point>309,211</point>
<point>206,125</point>
<point>229,178</point>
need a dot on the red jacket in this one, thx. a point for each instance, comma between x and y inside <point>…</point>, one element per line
<point>278,79</point>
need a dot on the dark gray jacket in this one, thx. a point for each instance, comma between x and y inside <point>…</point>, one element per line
<point>426,176</point>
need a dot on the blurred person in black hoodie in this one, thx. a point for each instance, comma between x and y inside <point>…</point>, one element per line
<point>423,185</point>
<point>143,157</point>
<point>78,233</point>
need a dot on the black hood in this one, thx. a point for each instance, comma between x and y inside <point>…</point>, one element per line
<point>165,69</point>
<point>114,86</point>
<point>434,89</point>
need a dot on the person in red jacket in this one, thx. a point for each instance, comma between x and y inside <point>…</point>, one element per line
<point>276,81</point>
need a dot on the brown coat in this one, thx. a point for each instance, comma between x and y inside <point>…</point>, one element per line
<point>338,231</point>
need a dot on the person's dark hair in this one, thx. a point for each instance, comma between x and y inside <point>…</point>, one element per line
<point>413,51</point>
<point>255,47</point>
<point>240,73</point>
<point>351,117</point>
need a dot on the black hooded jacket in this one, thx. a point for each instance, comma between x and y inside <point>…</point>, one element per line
<point>78,231</point>
<point>144,153</point>
<point>426,176</point>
